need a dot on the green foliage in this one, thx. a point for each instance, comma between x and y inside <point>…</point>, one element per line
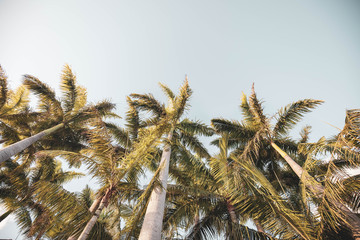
<point>208,195</point>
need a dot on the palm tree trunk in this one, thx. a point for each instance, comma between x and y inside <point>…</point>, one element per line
<point>104,202</point>
<point>298,170</point>
<point>94,206</point>
<point>351,219</point>
<point>152,225</point>
<point>9,151</point>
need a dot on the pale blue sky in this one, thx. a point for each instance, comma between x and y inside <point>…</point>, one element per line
<point>290,49</point>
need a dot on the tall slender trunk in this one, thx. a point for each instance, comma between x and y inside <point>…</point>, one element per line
<point>352,220</point>
<point>9,151</point>
<point>152,225</point>
<point>94,206</point>
<point>104,202</point>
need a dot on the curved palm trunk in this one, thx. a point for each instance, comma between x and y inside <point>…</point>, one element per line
<point>9,151</point>
<point>152,225</point>
<point>104,202</point>
<point>352,220</point>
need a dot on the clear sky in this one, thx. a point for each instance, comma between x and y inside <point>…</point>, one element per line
<point>290,49</point>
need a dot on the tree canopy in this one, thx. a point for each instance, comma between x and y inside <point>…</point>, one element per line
<point>157,179</point>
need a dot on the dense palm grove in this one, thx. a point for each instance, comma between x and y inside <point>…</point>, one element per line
<point>261,183</point>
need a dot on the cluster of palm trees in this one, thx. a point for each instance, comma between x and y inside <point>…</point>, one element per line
<point>261,183</point>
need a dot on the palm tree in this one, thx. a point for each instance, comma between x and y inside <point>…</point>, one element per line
<point>201,204</point>
<point>71,111</point>
<point>13,108</point>
<point>181,150</point>
<point>18,193</point>
<point>170,116</point>
<point>340,191</point>
<point>72,211</point>
<point>250,193</point>
<point>286,119</point>
<point>112,155</point>
<point>102,159</point>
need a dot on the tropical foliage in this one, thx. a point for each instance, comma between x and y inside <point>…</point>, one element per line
<point>156,178</point>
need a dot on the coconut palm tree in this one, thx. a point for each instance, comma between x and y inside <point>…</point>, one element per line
<point>340,190</point>
<point>200,204</point>
<point>244,186</point>
<point>18,193</point>
<point>180,147</point>
<point>112,155</point>
<point>102,159</point>
<point>65,114</point>
<point>286,119</point>
<point>170,116</point>
<point>13,108</point>
<point>72,212</point>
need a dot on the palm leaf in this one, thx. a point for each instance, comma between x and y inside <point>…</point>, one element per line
<point>256,109</point>
<point>195,128</point>
<point>147,102</point>
<point>167,91</point>
<point>46,94</point>
<point>181,101</point>
<point>290,115</point>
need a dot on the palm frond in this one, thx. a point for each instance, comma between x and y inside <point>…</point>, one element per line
<point>236,129</point>
<point>147,102</point>
<point>167,91</point>
<point>249,118</point>
<point>256,109</point>
<point>195,128</point>
<point>256,181</point>
<point>304,134</point>
<point>46,94</point>
<point>16,102</point>
<point>181,101</point>
<point>132,120</point>
<point>121,135</point>
<point>290,115</point>
<point>349,136</point>
<point>194,144</point>
<point>216,224</point>
<point>68,87</point>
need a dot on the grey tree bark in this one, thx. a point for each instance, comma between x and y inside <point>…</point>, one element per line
<point>152,225</point>
<point>9,151</point>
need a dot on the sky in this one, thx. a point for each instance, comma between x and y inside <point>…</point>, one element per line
<point>290,50</point>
